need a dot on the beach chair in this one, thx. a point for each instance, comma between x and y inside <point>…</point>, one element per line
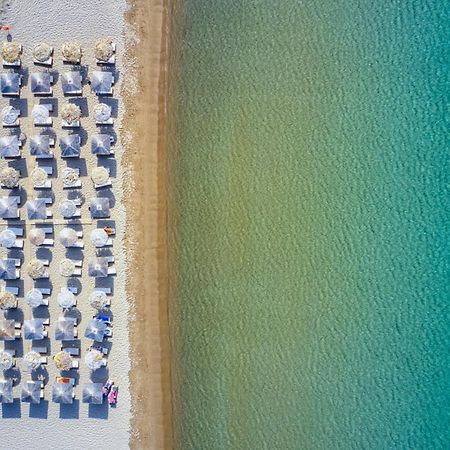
<point>44,360</point>
<point>46,321</point>
<point>46,185</point>
<point>65,124</point>
<point>73,289</point>
<point>110,258</point>
<point>77,272</point>
<point>17,325</point>
<point>112,271</point>
<point>42,350</point>
<point>17,262</point>
<point>75,364</point>
<point>18,334</point>
<point>16,198</point>
<point>105,290</point>
<point>77,262</point>
<point>17,275</point>
<point>73,351</point>
<point>48,242</point>
<point>45,333</point>
<point>48,230</point>
<point>45,291</point>
<point>48,213</point>
<point>12,290</point>
<point>45,262</point>
<point>18,231</point>
<point>18,244</point>
<point>108,332</point>
<point>48,200</point>
<point>48,169</point>
<point>77,245</point>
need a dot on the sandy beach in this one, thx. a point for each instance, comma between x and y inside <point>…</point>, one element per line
<point>138,360</point>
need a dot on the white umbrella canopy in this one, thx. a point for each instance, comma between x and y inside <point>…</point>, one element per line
<point>34,298</point>
<point>36,236</point>
<point>10,115</point>
<point>11,51</point>
<point>6,360</point>
<point>69,176</point>
<point>9,177</point>
<point>67,208</point>
<point>94,359</point>
<point>68,237</point>
<point>38,176</point>
<point>66,299</point>
<point>63,360</point>
<point>99,237</point>
<point>35,269</point>
<point>40,113</point>
<point>32,360</point>
<point>7,300</point>
<point>42,52</point>
<point>102,112</point>
<point>98,300</point>
<point>100,175</point>
<point>7,238</point>
<point>66,267</point>
<point>71,51</point>
<point>71,112</point>
<point>103,49</point>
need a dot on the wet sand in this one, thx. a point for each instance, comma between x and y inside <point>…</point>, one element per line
<point>143,132</point>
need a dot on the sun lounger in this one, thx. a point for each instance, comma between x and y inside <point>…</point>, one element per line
<point>49,213</point>
<point>45,291</point>
<point>45,333</point>
<point>77,272</point>
<point>99,186</point>
<point>105,290</point>
<point>73,289</point>
<point>48,242</point>
<point>46,321</point>
<point>18,243</point>
<point>108,332</point>
<point>49,155</point>
<point>47,230</point>
<point>112,271</point>
<point>76,245</point>
<point>110,258</point>
<point>48,169</point>
<point>17,325</point>
<point>65,124</point>
<point>77,262</point>
<point>17,274</point>
<point>11,351</point>
<point>46,185</point>
<point>75,364</point>
<point>48,200</point>
<point>12,289</point>
<point>44,276</point>
<point>18,231</point>
<point>17,262</point>
<point>110,121</point>
<point>46,262</point>
<point>18,334</point>
<point>43,350</point>
<point>73,351</point>
<point>44,360</point>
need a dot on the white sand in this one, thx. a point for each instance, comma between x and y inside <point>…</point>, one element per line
<point>50,426</point>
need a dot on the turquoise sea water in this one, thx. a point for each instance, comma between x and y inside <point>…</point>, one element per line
<point>308,162</point>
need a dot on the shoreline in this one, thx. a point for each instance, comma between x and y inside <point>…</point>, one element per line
<point>144,138</point>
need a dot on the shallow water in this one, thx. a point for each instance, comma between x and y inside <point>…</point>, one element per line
<point>308,156</point>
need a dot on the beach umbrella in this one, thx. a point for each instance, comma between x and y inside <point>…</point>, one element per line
<point>37,209</point>
<point>7,300</point>
<point>40,113</point>
<point>100,175</point>
<point>67,208</point>
<point>6,360</point>
<point>9,177</point>
<point>31,392</point>
<point>66,299</point>
<point>40,83</point>
<point>32,360</point>
<point>71,112</point>
<point>11,51</point>
<point>101,144</point>
<point>7,269</point>
<point>8,208</point>
<point>33,329</point>
<point>103,49</point>
<point>10,115</point>
<point>38,176</point>
<point>65,329</point>
<point>7,330</point>
<point>68,237</point>
<point>6,391</point>
<point>101,82</point>
<point>7,238</point>
<point>40,145</point>
<point>10,83</point>
<point>71,51</point>
<point>98,267</point>
<point>35,269</point>
<point>42,52</point>
<point>99,207</point>
<point>36,236</point>
<point>69,176</point>
<point>70,146</point>
<point>63,360</point>
<point>62,393</point>
<point>95,330</point>
<point>98,300</point>
<point>102,112</point>
<point>93,393</point>
<point>9,146</point>
<point>34,298</point>
<point>66,267</point>
<point>71,82</point>
<point>93,359</point>
<point>99,237</point>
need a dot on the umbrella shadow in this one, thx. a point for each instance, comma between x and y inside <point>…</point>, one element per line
<point>44,253</point>
<point>15,314</point>
<point>39,410</point>
<point>107,193</point>
<point>100,375</point>
<point>82,103</point>
<point>12,410</point>
<point>21,166</point>
<point>78,163</point>
<point>76,195</point>
<point>21,104</point>
<point>75,283</point>
<point>14,374</point>
<point>40,374</point>
<point>108,163</point>
<point>70,411</point>
<point>99,411</point>
<point>19,284</point>
<point>113,103</point>
<point>54,103</point>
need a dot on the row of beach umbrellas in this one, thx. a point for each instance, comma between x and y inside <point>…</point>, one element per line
<point>71,51</point>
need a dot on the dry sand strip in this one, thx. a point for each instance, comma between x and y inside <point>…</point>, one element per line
<point>146,216</point>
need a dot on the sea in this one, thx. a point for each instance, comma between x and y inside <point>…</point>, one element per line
<point>308,167</point>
